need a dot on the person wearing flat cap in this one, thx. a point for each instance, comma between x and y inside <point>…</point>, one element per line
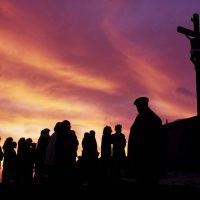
<point>143,144</point>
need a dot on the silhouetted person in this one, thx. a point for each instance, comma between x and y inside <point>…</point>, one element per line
<point>50,153</point>
<point>40,155</point>
<point>85,158</point>
<point>1,154</point>
<point>75,143</point>
<point>89,155</point>
<point>106,144</point>
<point>10,161</point>
<point>21,157</point>
<point>143,144</point>
<point>89,146</point>
<point>66,145</point>
<point>86,146</point>
<point>50,161</point>
<point>93,146</point>
<point>106,151</point>
<point>66,151</point>
<point>29,159</point>
<point>119,156</point>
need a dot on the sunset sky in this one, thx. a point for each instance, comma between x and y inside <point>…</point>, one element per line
<point>87,60</point>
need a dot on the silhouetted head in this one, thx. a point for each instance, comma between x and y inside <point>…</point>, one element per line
<point>92,133</point>
<point>14,144</point>
<point>66,125</point>
<point>58,127</point>
<point>8,143</point>
<point>86,135</point>
<point>21,144</point>
<point>45,132</point>
<point>21,140</point>
<point>141,103</point>
<point>29,142</point>
<point>107,130</point>
<point>118,128</point>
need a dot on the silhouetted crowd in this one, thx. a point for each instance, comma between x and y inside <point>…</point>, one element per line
<point>53,160</point>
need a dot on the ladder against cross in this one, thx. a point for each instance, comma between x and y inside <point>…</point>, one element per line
<point>194,37</point>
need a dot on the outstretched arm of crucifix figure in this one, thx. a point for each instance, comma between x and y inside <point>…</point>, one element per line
<point>189,37</point>
<point>194,37</point>
<point>195,49</point>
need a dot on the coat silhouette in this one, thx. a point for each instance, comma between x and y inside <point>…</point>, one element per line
<point>143,144</point>
<point>40,154</point>
<point>106,144</point>
<point>1,154</point>
<point>10,161</point>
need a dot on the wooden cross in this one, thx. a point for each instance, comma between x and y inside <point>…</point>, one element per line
<point>194,37</point>
<point>189,32</point>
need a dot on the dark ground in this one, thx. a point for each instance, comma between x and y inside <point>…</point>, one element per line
<point>172,187</point>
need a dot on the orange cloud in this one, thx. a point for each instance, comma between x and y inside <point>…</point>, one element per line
<point>27,55</point>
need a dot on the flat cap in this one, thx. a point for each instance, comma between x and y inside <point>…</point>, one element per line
<point>141,101</point>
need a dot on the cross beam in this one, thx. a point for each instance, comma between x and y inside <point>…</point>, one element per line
<point>185,31</point>
<point>194,37</point>
<point>188,32</point>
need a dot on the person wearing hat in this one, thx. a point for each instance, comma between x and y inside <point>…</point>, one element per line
<point>40,154</point>
<point>143,144</point>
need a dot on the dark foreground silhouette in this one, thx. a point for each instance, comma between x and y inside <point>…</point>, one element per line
<point>51,165</point>
<point>100,189</point>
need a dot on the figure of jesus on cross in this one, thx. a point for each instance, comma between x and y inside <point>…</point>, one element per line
<point>194,37</point>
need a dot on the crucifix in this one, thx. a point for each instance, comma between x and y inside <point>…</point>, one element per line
<point>194,37</point>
